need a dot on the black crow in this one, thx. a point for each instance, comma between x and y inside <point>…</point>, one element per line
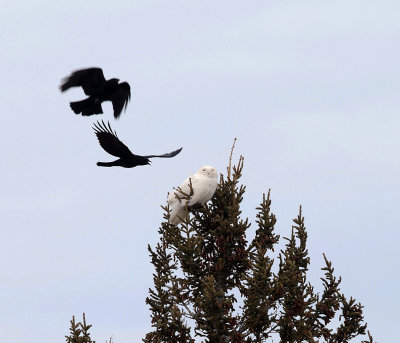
<point>99,89</point>
<point>109,141</point>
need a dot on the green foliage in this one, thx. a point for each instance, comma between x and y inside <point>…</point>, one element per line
<point>163,300</point>
<point>205,265</point>
<point>259,283</point>
<point>79,332</point>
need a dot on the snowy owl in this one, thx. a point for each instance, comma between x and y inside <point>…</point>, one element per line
<point>204,184</point>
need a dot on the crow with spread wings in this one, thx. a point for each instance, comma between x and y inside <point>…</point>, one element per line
<point>110,142</point>
<point>98,89</point>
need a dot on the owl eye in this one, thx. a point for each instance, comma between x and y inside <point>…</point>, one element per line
<point>204,170</point>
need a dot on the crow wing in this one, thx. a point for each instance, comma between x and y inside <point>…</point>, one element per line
<point>120,98</point>
<point>91,80</point>
<point>109,141</point>
<point>169,154</point>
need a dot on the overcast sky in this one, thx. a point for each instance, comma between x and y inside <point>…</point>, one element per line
<point>309,88</point>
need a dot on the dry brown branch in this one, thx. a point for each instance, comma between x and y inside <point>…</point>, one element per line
<point>230,159</point>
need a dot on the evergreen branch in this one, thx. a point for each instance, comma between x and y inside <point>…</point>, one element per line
<point>370,339</point>
<point>79,332</point>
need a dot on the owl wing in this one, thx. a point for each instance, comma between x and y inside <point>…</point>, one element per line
<point>200,188</point>
<point>177,206</point>
<point>184,187</point>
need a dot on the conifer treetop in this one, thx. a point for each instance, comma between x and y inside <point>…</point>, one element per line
<point>206,264</point>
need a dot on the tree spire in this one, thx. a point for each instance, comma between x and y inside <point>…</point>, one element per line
<point>205,265</point>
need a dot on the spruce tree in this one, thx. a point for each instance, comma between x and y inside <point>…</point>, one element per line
<point>79,332</point>
<point>205,265</point>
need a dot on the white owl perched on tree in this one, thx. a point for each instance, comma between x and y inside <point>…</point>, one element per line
<point>204,183</point>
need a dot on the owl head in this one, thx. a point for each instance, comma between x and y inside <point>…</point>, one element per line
<point>208,171</point>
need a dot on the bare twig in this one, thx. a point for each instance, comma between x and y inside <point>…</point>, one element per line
<point>230,159</point>
<point>184,196</point>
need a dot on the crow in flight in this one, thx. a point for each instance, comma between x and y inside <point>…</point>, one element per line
<point>99,89</point>
<point>109,141</point>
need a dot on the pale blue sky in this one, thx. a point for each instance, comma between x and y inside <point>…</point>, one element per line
<point>309,88</point>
